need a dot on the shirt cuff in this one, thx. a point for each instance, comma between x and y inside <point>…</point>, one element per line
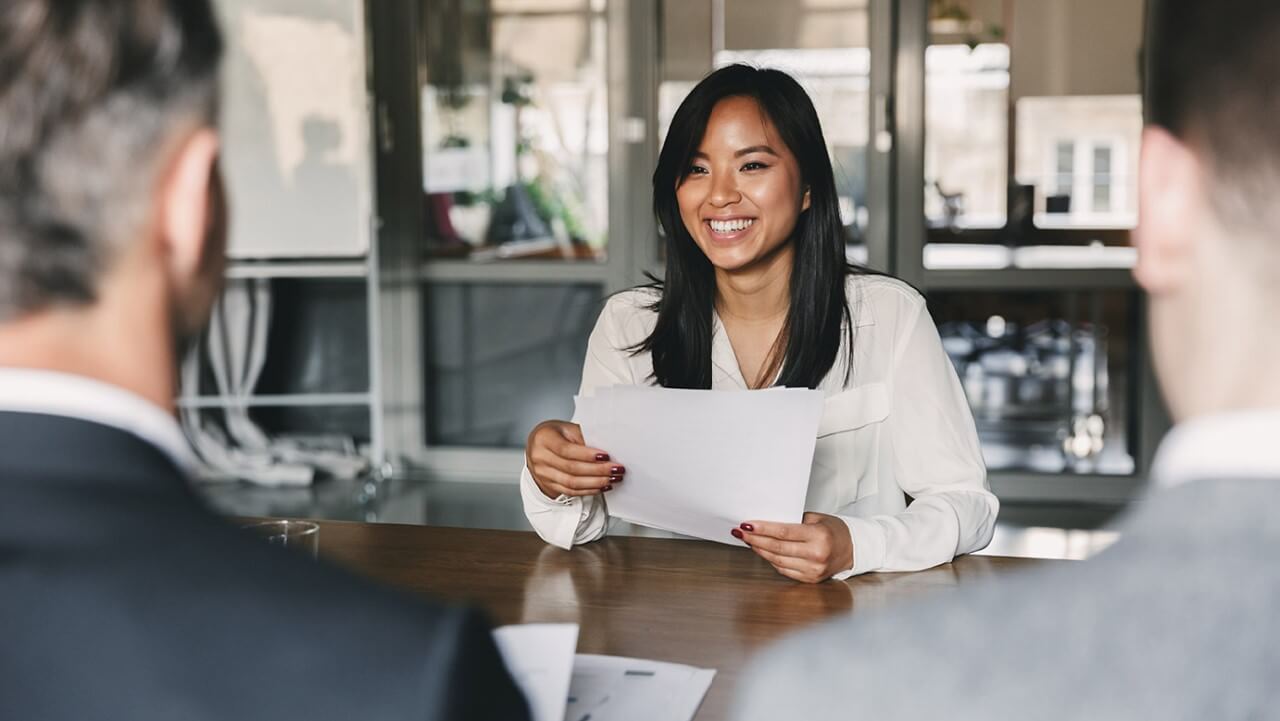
<point>868,546</point>
<point>555,520</point>
<point>532,492</point>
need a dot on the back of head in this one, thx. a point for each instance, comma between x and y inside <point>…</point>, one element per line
<point>1213,81</point>
<point>1208,233</point>
<point>91,91</point>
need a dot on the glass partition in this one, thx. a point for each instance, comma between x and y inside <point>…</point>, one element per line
<point>515,129</point>
<point>1049,375</point>
<point>1032,121</point>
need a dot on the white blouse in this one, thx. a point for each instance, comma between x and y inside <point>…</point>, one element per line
<point>900,428</point>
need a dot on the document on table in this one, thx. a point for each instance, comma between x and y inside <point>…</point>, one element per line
<point>701,462</point>
<point>540,659</point>
<point>561,686</point>
<point>612,688</point>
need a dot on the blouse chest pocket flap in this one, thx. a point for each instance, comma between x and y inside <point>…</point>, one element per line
<point>854,408</point>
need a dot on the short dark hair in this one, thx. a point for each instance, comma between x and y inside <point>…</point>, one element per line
<point>1213,80</point>
<point>90,93</point>
<point>819,317</point>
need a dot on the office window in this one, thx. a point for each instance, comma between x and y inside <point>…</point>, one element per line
<point>1102,179</point>
<point>515,129</point>
<point>1064,168</point>
<point>1018,95</point>
<point>966,136</point>
<point>1081,149</point>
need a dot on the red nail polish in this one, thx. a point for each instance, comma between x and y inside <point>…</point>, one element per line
<point>602,456</point>
<point>617,471</point>
<point>608,488</point>
<point>615,479</point>
<point>748,528</point>
<point>736,534</point>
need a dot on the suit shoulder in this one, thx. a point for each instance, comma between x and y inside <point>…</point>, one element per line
<point>1080,612</point>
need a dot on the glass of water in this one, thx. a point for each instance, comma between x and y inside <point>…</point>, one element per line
<point>301,536</point>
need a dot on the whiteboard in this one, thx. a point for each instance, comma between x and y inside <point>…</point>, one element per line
<point>295,128</point>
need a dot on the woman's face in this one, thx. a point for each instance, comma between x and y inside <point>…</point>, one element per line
<point>743,193</point>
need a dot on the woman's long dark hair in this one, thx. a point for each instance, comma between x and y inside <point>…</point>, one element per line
<point>681,341</point>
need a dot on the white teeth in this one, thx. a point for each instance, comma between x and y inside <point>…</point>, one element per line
<point>731,226</point>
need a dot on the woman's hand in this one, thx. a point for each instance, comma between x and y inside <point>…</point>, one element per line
<point>561,463</point>
<point>812,551</point>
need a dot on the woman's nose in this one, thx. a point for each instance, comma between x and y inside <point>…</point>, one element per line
<point>724,190</point>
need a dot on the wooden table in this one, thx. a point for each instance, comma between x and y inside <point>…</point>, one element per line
<point>693,602</point>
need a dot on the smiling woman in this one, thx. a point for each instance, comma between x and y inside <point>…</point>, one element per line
<point>740,202</point>
<point>757,293</point>
<point>746,144</point>
<point>732,185</point>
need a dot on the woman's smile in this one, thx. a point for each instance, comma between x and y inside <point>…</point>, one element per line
<point>729,230</point>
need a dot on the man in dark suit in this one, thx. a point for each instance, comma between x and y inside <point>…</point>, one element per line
<point>121,596</point>
<point>1177,619</point>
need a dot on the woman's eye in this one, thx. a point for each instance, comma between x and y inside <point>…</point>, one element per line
<point>697,170</point>
<point>754,166</point>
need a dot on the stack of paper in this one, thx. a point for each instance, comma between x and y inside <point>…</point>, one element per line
<point>540,659</point>
<point>612,688</point>
<point>702,462</point>
<point>563,687</point>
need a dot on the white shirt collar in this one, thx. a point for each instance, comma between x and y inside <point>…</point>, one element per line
<point>1241,444</point>
<point>25,390</point>
<point>722,355</point>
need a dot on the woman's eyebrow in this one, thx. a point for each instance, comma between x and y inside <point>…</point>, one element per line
<point>739,153</point>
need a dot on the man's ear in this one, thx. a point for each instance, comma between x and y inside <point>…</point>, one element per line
<point>187,196</point>
<point>1171,187</point>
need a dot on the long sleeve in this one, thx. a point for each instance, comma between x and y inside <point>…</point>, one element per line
<point>567,521</point>
<point>932,445</point>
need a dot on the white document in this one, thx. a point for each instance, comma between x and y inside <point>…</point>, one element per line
<point>612,688</point>
<point>559,685</point>
<point>701,462</point>
<point>540,659</point>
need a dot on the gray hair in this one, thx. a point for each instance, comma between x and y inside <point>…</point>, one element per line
<point>91,92</point>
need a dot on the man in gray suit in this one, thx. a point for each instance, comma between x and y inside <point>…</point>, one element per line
<point>121,595</point>
<point>1178,619</point>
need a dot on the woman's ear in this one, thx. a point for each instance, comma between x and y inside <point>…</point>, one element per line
<point>804,200</point>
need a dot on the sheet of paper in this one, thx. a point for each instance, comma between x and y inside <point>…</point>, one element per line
<point>612,688</point>
<point>540,658</point>
<point>701,462</point>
